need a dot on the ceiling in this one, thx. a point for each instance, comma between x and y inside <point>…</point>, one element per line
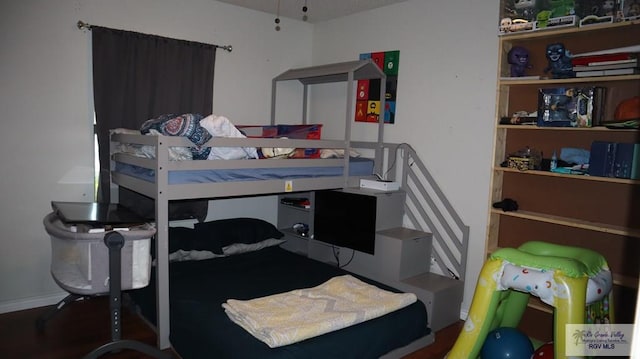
<point>317,10</point>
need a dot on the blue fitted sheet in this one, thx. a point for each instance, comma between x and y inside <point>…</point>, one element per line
<point>358,166</point>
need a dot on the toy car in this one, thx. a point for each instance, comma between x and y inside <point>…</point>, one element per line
<point>520,25</point>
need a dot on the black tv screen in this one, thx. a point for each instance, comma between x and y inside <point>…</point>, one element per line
<point>346,220</point>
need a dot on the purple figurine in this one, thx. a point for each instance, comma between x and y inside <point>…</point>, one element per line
<point>518,58</point>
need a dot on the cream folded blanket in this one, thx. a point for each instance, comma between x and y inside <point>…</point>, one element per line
<point>290,317</point>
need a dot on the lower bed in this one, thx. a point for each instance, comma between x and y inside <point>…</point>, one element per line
<point>201,329</point>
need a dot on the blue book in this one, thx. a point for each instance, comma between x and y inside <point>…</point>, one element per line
<point>623,161</point>
<point>601,158</point>
<point>635,166</point>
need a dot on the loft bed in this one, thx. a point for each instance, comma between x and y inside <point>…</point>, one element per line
<point>165,180</point>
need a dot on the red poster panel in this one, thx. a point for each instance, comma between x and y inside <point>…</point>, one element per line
<point>363,90</point>
<point>361,110</point>
<point>378,58</point>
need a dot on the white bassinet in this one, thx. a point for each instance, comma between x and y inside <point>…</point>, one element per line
<point>80,260</point>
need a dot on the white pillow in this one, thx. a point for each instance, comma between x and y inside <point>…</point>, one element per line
<point>230,250</point>
<point>238,248</point>
<point>220,126</point>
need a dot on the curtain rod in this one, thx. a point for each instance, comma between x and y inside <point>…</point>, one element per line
<point>85,26</point>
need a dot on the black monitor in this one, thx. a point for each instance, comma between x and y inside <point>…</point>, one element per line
<point>346,220</point>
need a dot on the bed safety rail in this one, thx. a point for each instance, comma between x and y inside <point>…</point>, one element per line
<point>162,164</point>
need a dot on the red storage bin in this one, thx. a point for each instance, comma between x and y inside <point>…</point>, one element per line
<point>299,132</point>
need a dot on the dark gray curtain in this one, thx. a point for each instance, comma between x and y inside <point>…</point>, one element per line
<point>137,77</point>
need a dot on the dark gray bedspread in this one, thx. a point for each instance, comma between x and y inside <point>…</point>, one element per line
<point>201,329</point>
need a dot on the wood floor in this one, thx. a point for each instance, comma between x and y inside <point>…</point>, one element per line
<point>85,325</point>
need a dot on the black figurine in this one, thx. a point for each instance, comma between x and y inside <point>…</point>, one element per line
<point>559,62</point>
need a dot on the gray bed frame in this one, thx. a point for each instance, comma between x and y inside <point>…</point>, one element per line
<point>163,192</point>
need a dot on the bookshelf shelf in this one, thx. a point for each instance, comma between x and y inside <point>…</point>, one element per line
<point>572,222</point>
<point>536,128</point>
<point>514,81</point>
<point>573,32</point>
<point>570,176</point>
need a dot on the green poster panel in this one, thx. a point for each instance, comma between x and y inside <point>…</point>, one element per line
<point>391,59</point>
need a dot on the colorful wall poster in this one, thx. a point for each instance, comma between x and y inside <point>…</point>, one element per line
<point>368,93</point>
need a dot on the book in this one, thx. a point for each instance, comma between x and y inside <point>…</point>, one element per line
<point>635,166</point>
<point>599,66</point>
<point>632,48</point>
<point>301,202</point>
<point>601,158</point>
<point>612,72</point>
<point>614,159</point>
<point>599,101</point>
<point>614,62</point>
<point>624,160</point>
<point>602,59</point>
<point>514,78</point>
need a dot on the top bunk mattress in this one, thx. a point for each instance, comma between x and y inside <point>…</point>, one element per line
<point>358,166</point>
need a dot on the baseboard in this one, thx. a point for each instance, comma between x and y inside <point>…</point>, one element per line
<point>30,303</point>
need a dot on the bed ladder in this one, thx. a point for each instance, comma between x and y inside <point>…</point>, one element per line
<point>426,207</point>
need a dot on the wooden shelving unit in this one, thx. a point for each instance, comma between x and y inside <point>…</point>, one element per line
<point>599,213</point>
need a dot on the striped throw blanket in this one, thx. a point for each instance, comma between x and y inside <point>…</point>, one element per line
<point>290,317</point>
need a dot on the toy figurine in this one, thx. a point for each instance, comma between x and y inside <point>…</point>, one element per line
<point>542,18</point>
<point>631,9</point>
<point>559,59</point>
<point>608,7</point>
<point>505,25</point>
<point>526,9</point>
<point>562,7</point>
<point>518,58</point>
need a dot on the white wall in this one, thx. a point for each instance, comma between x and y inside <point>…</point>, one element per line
<point>46,102</point>
<point>446,99</point>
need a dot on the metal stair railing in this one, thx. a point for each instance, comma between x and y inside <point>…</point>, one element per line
<point>426,207</point>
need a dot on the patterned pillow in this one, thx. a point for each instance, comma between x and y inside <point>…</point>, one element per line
<point>187,125</point>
